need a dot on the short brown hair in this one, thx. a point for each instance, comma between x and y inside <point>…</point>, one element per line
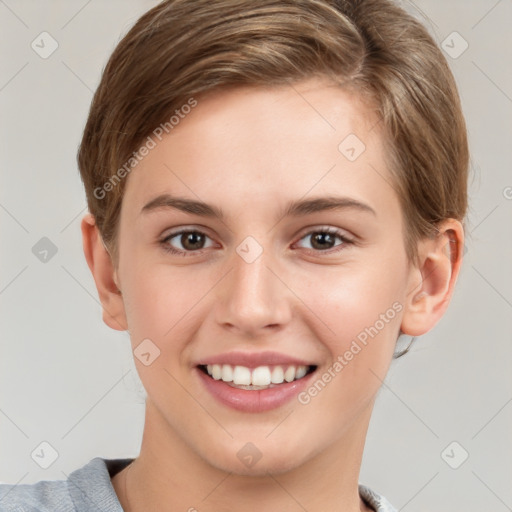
<point>182,48</point>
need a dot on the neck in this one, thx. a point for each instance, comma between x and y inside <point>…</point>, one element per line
<point>169,472</point>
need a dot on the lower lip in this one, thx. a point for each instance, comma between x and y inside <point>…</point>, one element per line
<point>256,400</point>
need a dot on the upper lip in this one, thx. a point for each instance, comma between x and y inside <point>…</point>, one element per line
<point>254,359</point>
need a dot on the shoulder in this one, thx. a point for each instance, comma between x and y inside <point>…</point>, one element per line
<point>42,496</point>
<point>88,488</point>
<point>376,501</point>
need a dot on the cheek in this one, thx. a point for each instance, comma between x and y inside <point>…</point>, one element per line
<point>167,304</point>
<point>159,299</point>
<point>354,298</point>
<point>363,307</point>
<point>162,306</point>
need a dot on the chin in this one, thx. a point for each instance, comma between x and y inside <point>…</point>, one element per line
<point>275,463</point>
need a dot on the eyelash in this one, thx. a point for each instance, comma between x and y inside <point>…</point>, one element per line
<point>331,231</point>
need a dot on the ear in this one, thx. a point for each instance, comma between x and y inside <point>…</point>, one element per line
<point>104,274</point>
<point>432,279</point>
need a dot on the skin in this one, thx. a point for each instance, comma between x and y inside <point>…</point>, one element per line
<point>250,151</point>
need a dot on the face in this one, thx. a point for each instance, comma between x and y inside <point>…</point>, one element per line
<point>266,277</point>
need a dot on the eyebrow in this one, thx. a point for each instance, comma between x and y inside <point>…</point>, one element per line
<point>293,209</point>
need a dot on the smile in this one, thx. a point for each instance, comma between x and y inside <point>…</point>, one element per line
<point>261,377</point>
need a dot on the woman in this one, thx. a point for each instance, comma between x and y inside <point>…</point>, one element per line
<point>276,193</point>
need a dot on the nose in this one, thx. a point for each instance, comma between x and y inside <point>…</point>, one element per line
<point>253,298</point>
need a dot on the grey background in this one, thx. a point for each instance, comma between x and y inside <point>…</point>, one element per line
<point>69,380</point>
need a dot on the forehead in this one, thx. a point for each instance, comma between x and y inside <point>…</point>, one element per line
<point>266,143</point>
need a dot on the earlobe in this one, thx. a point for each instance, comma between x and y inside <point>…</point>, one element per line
<point>104,274</point>
<point>432,280</point>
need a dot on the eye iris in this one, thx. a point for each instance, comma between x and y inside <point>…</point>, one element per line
<point>191,240</point>
<point>321,239</point>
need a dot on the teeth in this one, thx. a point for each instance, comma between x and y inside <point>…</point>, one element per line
<point>260,376</point>
<point>277,375</point>
<point>217,371</point>
<point>227,373</point>
<point>300,372</point>
<point>289,374</point>
<point>242,376</point>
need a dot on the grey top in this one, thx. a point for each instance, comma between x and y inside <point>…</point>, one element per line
<point>89,489</point>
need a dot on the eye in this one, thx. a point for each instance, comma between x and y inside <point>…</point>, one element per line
<point>323,240</point>
<point>191,241</point>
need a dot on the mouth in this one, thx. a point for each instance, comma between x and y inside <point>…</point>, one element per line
<point>256,379</point>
